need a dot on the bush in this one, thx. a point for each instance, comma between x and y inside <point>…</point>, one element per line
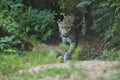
<point>109,55</point>
<point>106,19</point>
<point>16,19</point>
<point>38,23</point>
<point>6,42</point>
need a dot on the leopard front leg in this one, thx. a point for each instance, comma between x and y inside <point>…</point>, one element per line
<point>68,53</point>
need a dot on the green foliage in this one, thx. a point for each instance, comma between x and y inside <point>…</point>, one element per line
<point>13,62</point>
<point>64,46</point>
<point>114,76</point>
<point>10,51</point>
<point>84,3</point>
<point>9,11</point>
<point>8,41</point>
<point>62,5</point>
<point>38,22</point>
<point>109,55</point>
<point>16,19</point>
<point>107,19</point>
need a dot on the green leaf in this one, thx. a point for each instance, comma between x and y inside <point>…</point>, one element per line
<point>84,3</point>
<point>104,3</point>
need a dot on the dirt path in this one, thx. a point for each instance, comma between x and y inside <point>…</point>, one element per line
<point>93,69</point>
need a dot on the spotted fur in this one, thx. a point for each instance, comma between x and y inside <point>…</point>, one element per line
<point>69,34</point>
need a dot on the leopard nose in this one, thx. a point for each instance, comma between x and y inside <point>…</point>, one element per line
<point>65,34</point>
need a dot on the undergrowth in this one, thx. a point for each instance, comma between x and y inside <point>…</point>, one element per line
<point>61,73</point>
<point>110,55</point>
<point>10,63</point>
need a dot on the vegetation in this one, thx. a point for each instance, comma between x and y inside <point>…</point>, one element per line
<point>16,19</point>
<point>12,62</point>
<point>106,21</point>
<point>62,72</point>
<point>24,24</point>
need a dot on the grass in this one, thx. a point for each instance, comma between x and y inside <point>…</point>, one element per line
<point>115,75</point>
<point>9,63</point>
<point>109,55</point>
<point>61,72</point>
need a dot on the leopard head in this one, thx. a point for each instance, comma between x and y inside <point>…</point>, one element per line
<point>66,25</point>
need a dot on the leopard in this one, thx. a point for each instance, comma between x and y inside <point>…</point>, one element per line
<point>69,34</point>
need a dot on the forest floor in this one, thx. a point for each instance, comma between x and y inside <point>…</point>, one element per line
<point>91,69</point>
<point>85,67</point>
<point>86,70</point>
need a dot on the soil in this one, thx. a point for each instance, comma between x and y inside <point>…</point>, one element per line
<point>96,70</point>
